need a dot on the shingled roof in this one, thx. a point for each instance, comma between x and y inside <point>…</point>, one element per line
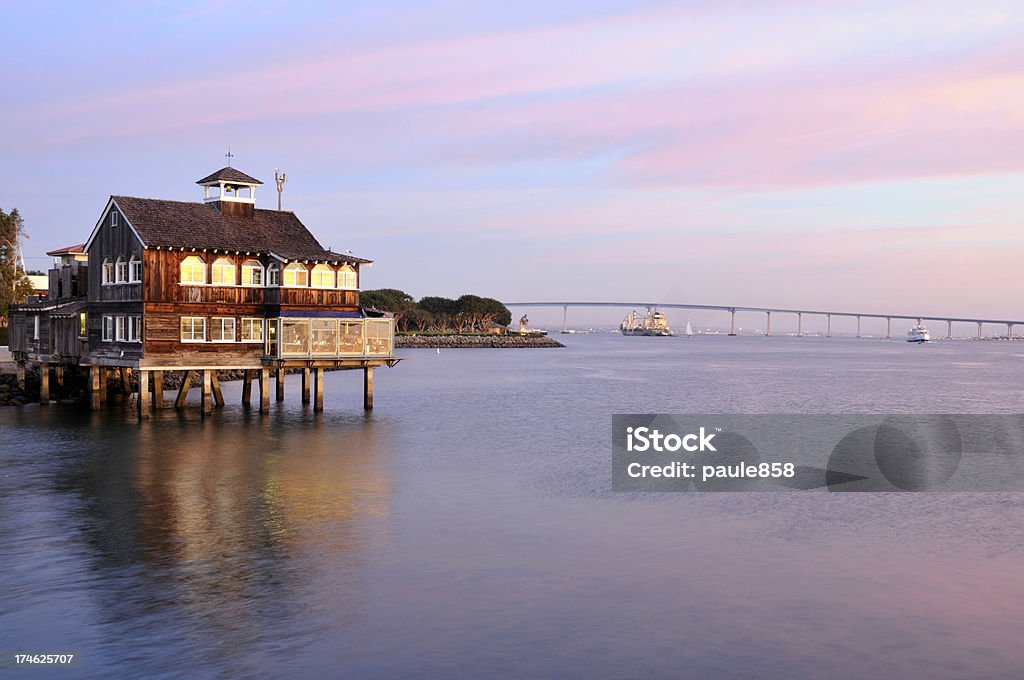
<point>229,174</point>
<point>179,224</point>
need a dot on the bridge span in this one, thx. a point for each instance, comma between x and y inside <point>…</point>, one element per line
<point>768,311</point>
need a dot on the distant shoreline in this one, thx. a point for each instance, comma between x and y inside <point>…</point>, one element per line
<point>474,342</point>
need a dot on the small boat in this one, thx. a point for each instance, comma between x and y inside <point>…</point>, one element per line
<point>688,332</point>
<point>918,333</point>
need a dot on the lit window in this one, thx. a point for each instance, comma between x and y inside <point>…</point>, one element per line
<point>108,328</point>
<point>323,276</point>
<point>121,324</point>
<point>193,329</point>
<point>135,270</point>
<point>222,329</point>
<point>274,274</point>
<point>378,336</point>
<point>294,337</point>
<point>193,270</point>
<point>82,328</point>
<point>324,336</point>
<point>122,271</point>
<point>252,273</point>
<point>134,329</point>
<point>351,337</point>
<point>252,330</point>
<point>347,279</point>
<point>222,273</point>
<point>108,271</point>
<point>296,275</point>
<point>272,325</point>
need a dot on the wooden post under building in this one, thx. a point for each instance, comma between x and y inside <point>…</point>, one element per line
<point>280,384</point>
<point>144,404</point>
<point>318,388</point>
<point>264,390</point>
<point>305,385</point>
<point>94,387</point>
<point>207,403</point>
<point>368,388</point>
<point>44,383</point>
<point>246,387</point>
<point>158,389</point>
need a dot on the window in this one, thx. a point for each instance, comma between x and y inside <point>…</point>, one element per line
<point>82,328</point>
<point>323,276</point>
<point>296,274</point>
<point>222,329</point>
<point>135,270</point>
<point>350,337</point>
<point>35,328</point>
<point>252,273</point>
<point>108,271</point>
<point>193,270</point>
<point>272,337</point>
<point>252,330</point>
<point>347,279</point>
<point>134,329</point>
<point>222,273</point>
<point>193,329</point>
<point>114,217</point>
<point>378,336</point>
<point>294,337</point>
<point>122,271</point>
<point>274,274</point>
<point>121,324</point>
<point>108,328</point>
<point>325,336</point>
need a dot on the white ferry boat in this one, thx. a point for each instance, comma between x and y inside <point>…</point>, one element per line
<point>654,324</point>
<point>918,333</point>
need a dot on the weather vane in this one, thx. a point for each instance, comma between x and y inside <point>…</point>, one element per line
<point>229,155</point>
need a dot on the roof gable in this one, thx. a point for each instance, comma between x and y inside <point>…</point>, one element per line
<point>229,174</point>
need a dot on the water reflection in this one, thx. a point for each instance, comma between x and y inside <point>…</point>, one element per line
<point>230,530</point>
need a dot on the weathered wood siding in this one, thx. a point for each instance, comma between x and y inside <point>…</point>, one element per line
<point>113,242</point>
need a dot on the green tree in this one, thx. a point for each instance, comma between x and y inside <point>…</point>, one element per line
<point>398,302</point>
<point>14,285</point>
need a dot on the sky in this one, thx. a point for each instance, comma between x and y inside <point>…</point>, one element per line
<point>863,156</point>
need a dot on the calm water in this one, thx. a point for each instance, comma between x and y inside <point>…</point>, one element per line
<point>467,528</point>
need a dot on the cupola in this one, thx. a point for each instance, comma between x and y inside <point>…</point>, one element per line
<point>231,191</point>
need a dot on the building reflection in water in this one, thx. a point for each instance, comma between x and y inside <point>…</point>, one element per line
<point>233,530</point>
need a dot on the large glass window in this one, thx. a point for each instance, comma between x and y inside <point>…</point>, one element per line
<point>294,337</point>
<point>350,340</point>
<point>272,337</point>
<point>252,273</point>
<point>252,330</point>
<point>193,329</point>
<point>378,336</point>
<point>347,279</point>
<point>193,270</point>
<point>296,274</point>
<point>222,273</point>
<point>222,329</point>
<point>325,336</point>
<point>323,276</point>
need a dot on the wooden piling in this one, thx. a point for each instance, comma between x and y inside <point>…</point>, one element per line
<point>246,387</point>
<point>218,396</point>
<point>207,402</point>
<point>186,383</point>
<point>44,383</point>
<point>158,389</point>
<point>104,380</point>
<point>58,371</point>
<point>264,390</point>
<point>318,402</point>
<point>144,412</point>
<point>94,387</point>
<point>305,385</point>
<point>21,375</point>
<point>126,380</point>
<point>280,384</point>
<point>368,388</point>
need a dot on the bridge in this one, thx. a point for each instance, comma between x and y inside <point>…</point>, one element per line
<point>768,311</point>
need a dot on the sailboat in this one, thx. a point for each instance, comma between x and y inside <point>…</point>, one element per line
<point>689,330</point>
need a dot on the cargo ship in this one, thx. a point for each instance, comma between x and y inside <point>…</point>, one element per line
<point>654,324</point>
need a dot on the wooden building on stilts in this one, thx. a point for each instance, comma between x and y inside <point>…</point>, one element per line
<point>202,287</point>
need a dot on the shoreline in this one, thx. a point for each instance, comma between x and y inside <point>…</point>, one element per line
<point>475,342</point>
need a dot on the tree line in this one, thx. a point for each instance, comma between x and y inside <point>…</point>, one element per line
<point>14,285</point>
<point>467,314</point>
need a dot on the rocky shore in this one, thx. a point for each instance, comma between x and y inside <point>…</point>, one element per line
<point>474,341</point>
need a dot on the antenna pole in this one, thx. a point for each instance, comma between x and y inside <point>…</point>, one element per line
<point>279,179</point>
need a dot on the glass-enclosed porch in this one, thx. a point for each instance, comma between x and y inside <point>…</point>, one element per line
<point>319,338</point>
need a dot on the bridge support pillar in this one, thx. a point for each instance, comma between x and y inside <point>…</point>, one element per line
<point>949,330</point>
<point>858,326</point>
<point>799,325</point>
<point>768,326</point>
<point>979,331</point>
<point>828,325</point>
<point>565,318</point>
<point>732,322</point>
<point>888,327</point>
<point>1009,331</point>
